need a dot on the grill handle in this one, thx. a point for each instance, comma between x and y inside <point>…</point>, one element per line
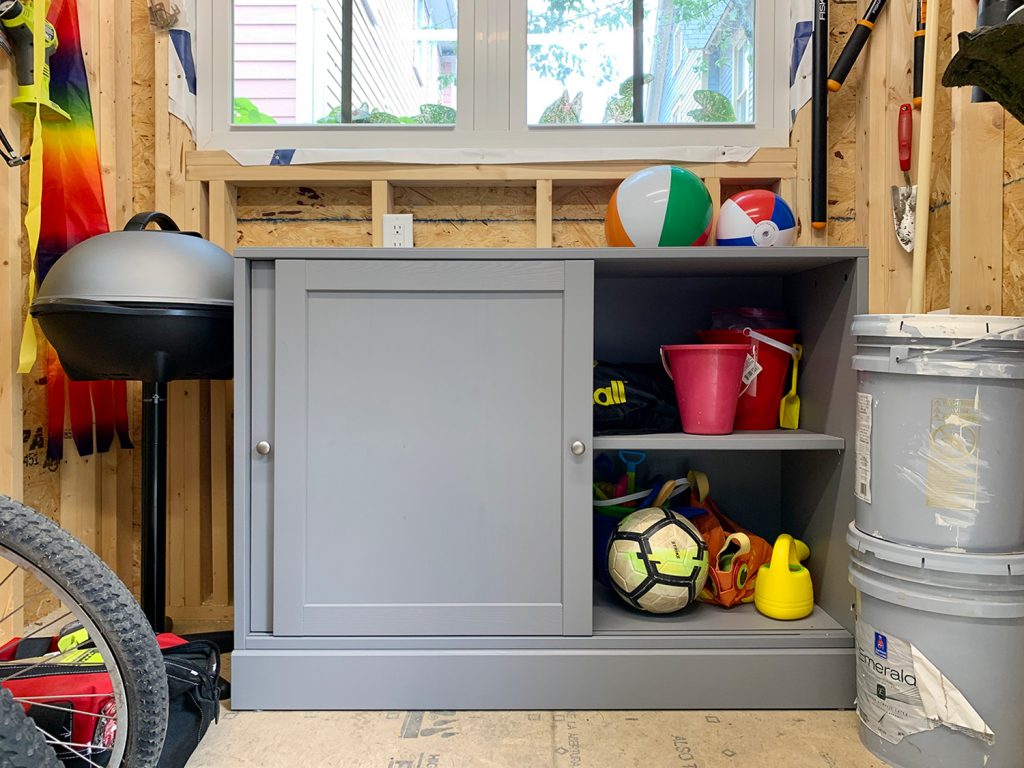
<point>142,220</point>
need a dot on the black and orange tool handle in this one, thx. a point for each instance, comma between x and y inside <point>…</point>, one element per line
<point>854,45</point>
<point>922,18</point>
<point>819,118</point>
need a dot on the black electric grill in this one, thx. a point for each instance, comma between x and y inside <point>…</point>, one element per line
<point>148,305</point>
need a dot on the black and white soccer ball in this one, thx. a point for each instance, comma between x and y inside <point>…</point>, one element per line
<point>657,560</point>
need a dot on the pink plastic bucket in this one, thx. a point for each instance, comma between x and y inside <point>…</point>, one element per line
<point>759,407</point>
<point>708,379</point>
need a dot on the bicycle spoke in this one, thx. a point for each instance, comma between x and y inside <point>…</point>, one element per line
<point>47,625</point>
<point>55,659</point>
<point>9,615</point>
<point>22,606</point>
<point>70,747</point>
<point>65,709</point>
<point>31,699</point>
<point>7,578</point>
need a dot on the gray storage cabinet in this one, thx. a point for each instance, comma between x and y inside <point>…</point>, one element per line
<point>414,457</point>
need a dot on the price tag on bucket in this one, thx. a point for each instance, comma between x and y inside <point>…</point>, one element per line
<point>751,368</point>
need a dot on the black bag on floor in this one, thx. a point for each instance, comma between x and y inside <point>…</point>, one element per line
<point>632,398</point>
<point>194,688</point>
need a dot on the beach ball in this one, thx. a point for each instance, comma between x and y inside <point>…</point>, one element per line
<point>756,217</point>
<point>659,206</point>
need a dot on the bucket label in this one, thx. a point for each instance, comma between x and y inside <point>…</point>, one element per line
<point>862,486</point>
<point>751,369</point>
<point>900,692</point>
<point>953,463</point>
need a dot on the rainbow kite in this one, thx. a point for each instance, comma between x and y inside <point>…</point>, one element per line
<point>72,210</point>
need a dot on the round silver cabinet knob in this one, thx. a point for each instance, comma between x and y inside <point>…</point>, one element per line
<point>577,448</point>
<point>263,448</point>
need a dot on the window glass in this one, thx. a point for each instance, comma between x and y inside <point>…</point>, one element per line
<point>294,63</point>
<point>584,58</point>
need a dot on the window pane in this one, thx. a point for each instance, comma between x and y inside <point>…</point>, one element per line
<point>290,62</point>
<point>698,61</point>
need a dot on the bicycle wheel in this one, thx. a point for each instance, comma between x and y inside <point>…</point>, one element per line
<point>132,721</point>
<point>22,745</point>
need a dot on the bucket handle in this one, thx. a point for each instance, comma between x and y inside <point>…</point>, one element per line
<point>782,553</point>
<point>680,485</point>
<point>751,333</point>
<point>961,345</point>
<point>664,362</point>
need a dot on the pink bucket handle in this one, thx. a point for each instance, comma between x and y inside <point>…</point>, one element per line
<point>664,362</point>
<point>751,333</point>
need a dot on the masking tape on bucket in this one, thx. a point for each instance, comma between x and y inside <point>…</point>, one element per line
<point>953,460</point>
<point>900,692</point>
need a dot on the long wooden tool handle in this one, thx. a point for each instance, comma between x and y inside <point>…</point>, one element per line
<point>924,160</point>
<point>819,118</point>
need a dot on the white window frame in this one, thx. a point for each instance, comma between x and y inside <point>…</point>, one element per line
<point>491,122</point>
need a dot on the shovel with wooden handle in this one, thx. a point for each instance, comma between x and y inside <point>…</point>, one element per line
<point>904,199</point>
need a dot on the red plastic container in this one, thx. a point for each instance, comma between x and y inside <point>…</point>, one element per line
<point>758,409</point>
<point>708,379</point>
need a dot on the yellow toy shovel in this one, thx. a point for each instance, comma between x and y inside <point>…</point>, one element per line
<point>789,408</point>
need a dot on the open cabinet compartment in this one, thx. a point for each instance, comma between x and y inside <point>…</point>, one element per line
<point>781,481</point>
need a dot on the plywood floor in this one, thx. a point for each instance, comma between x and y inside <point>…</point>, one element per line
<point>534,740</point>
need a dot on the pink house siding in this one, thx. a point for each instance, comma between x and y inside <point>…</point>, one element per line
<point>265,52</point>
<point>287,57</point>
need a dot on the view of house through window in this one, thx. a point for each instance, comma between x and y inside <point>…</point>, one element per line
<point>302,62</point>
<point>640,61</point>
<point>589,62</point>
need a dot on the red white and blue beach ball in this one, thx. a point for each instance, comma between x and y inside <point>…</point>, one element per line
<point>756,217</point>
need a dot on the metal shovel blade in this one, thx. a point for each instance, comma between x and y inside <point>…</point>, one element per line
<point>904,215</point>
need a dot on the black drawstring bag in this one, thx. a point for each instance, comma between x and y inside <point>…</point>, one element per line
<point>633,399</point>
<point>194,691</point>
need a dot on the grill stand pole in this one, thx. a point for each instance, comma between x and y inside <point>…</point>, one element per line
<point>154,502</point>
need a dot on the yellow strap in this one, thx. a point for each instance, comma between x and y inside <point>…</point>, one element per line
<point>699,482</point>
<point>33,217</point>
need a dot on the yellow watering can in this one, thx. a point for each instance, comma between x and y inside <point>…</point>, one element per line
<point>783,589</point>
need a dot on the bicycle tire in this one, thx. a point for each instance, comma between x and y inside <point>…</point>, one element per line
<point>21,743</point>
<point>101,595</point>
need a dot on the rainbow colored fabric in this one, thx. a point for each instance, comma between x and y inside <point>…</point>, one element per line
<point>72,211</point>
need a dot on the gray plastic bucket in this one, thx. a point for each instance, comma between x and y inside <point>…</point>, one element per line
<point>940,441</point>
<point>963,616</point>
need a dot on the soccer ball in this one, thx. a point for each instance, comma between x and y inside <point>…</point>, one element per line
<point>658,560</point>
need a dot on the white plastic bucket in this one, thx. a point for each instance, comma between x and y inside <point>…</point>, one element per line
<point>940,430</point>
<point>940,655</point>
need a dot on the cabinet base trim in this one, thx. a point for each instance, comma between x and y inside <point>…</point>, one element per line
<point>554,679</point>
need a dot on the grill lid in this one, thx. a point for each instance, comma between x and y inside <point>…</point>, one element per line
<point>140,266</point>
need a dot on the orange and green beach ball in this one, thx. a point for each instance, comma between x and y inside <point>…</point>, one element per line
<point>660,206</point>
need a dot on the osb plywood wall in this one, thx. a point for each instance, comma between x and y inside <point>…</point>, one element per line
<point>1013,218</point>
<point>98,497</point>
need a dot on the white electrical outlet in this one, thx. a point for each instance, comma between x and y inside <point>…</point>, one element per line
<point>398,230</point>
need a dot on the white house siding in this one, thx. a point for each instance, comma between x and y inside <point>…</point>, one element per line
<point>383,56</point>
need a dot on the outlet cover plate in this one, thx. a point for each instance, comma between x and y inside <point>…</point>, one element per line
<point>398,230</point>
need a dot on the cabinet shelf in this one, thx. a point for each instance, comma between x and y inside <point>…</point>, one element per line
<point>611,616</point>
<point>774,440</point>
